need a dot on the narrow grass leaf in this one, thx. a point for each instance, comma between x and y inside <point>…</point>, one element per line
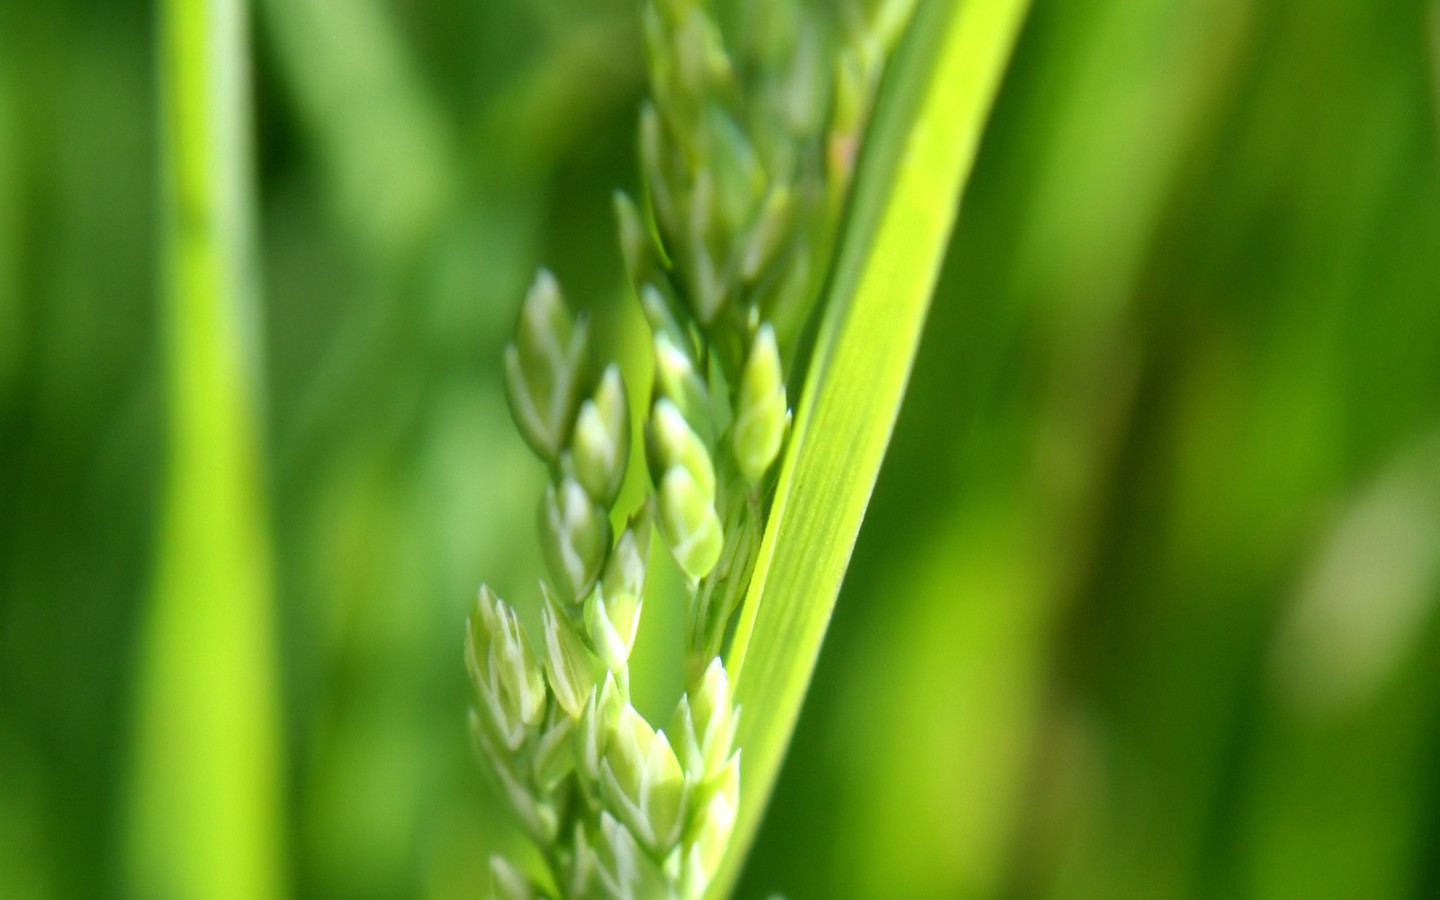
<point>206,804</point>
<point>922,145</point>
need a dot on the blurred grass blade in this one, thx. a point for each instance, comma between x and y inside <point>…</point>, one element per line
<point>206,805</point>
<point>388,157</point>
<point>921,147</point>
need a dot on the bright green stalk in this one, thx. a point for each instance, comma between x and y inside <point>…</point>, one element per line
<point>922,145</point>
<point>205,804</point>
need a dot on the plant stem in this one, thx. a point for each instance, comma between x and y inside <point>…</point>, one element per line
<point>206,797</point>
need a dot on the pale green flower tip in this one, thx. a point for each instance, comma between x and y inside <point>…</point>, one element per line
<point>601,444</point>
<point>503,670</point>
<point>658,313</point>
<point>763,380</point>
<point>710,834</point>
<point>628,562</point>
<point>671,427</point>
<point>688,520</point>
<point>586,862</point>
<point>543,315</point>
<point>613,620</point>
<point>546,366</point>
<point>555,755</point>
<point>589,748</point>
<point>711,825</point>
<point>663,794</point>
<point>485,602</point>
<point>761,417</point>
<point>532,812</point>
<point>636,732</point>
<point>715,685</point>
<point>544,821</point>
<point>483,622</point>
<point>635,245</point>
<point>626,871</point>
<point>522,685</point>
<point>617,790</point>
<point>687,749</point>
<point>694,875</point>
<point>626,751</point>
<point>614,834</point>
<point>507,882</point>
<point>627,214</point>
<point>615,839</point>
<point>576,537</point>
<point>676,444</point>
<point>661,764</point>
<point>610,398</point>
<point>713,718</point>
<point>763,372</point>
<point>672,364</point>
<point>601,719</point>
<point>713,696</point>
<point>611,699</point>
<point>534,424</point>
<point>677,381</point>
<point>644,783</point>
<point>549,340</point>
<point>592,453</point>
<point>567,661</point>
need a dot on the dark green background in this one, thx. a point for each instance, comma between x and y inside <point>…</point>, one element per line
<point>1145,604</point>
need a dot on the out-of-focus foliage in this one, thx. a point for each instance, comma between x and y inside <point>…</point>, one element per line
<point>1145,604</point>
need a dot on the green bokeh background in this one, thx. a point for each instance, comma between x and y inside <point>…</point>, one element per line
<point>1145,605</point>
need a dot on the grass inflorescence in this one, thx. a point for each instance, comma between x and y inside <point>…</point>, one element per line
<point>747,146</point>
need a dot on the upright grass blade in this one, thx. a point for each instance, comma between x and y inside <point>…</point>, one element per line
<point>921,147</point>
<point>205,803</point>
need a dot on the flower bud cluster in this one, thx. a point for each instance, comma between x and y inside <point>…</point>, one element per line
<point>620,810</point>
<point>513,723</point>
<point>747,147</point>
<point>579,425</point>
<point>648,814</point>
<point>726,256</point>
<point>668,802</point>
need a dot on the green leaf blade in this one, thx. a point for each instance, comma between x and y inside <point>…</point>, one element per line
<point>921,148</point>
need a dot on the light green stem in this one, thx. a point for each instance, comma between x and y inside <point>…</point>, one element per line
<point>205,802</point>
